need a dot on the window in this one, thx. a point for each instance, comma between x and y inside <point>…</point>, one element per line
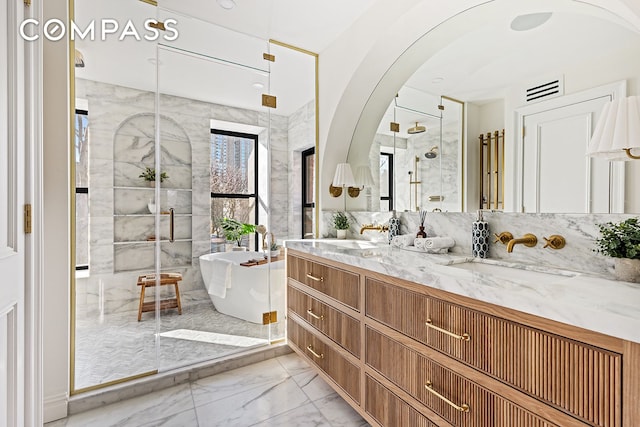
<point>386,182</point>
<point>308,194</point>
<point>82,189</point>
<point>234,182</point>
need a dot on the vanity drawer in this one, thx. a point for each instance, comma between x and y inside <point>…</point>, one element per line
<point>325,357</point>
<point>453,397</point>
<point>340,285</point>
<point>571,376</point>
<point>338,326</point>
<point>389,410</point>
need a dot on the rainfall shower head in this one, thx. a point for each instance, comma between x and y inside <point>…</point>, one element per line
<point>416,129</point>
<point>432,153</point>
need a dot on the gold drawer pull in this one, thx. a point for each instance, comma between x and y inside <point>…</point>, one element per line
<point>463,408</point>
<point>317,279</point>
<point>318,356</point>
<point>464,337</point>
<point>315,316</point>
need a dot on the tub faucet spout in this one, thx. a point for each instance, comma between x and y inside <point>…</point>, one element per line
<point>529,240</point>
<point>380,228</point>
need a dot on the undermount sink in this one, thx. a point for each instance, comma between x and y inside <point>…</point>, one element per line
<point>351,244</point>
<point>516,273</point>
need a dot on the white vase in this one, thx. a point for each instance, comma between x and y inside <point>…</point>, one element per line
<point>238,248</point>
<point>627,269</point>
<point>341,234</point>
<point>275,253</point>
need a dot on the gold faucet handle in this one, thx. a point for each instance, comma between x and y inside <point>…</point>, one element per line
<point>384,228</point>
<point>555,242</point>
<point>503,237</point>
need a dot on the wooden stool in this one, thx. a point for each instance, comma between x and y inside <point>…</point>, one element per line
<point>165,279</point>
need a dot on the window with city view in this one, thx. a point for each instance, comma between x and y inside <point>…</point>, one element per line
<point>234,182</point>
<point>82,188</point>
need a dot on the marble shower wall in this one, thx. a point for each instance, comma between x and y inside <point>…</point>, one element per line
<point>112,163</point>
<point>579,230</point>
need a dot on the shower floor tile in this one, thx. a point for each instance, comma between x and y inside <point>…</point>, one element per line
<point>115,346</point>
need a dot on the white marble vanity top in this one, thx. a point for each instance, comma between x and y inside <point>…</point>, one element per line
<point>595,303</point>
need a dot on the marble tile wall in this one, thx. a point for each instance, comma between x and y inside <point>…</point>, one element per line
<point>119,147</point>
<point>579,230</point>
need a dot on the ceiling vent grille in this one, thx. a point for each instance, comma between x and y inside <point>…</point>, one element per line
<point>542,91</point>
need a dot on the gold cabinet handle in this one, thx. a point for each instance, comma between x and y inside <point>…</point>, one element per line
<point>464,337</point>
<point>463,408</point>
<point>316,355</point>
<point>317,279</point>
<point>315,316</point>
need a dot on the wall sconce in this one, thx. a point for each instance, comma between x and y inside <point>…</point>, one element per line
<point>618,131</point>
<point>341,179</point>
<point>363,179</point>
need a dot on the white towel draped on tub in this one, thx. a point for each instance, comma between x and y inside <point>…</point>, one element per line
<point>434,245</point>
<point>219,273</point>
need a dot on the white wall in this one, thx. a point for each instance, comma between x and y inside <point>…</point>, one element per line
<point>56,220</point>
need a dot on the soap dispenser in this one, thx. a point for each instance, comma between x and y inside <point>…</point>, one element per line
<point>394,226</point>
<point>480,237</point>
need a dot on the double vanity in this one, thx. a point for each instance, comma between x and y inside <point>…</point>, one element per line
<point>413,339</point>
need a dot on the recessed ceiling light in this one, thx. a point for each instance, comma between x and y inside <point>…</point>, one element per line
<point>154,61</point>
<point>258,85</point>
<point>529,21</point>
<point>437,80</point>
<point>227,4</point>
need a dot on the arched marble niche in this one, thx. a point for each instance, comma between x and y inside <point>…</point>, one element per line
<point>134,199</point>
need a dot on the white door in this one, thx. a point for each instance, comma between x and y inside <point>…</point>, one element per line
<point>12,239</point>
<point>557,176</point>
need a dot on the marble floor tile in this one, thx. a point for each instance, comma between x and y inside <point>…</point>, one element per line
<point>135,412</point>
<point>253,406</point>
<point>262,394</point>
<point>303,416</point>
<point>239,380</point>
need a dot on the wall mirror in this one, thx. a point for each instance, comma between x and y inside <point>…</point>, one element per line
<point>515,66</point>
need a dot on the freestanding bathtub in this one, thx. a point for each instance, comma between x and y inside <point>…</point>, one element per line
<point>243,292</point>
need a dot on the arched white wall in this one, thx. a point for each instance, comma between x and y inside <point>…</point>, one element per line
<point>353,67</point>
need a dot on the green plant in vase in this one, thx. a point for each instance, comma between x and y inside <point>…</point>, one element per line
<point>341,224</point>
<point>234,230</point>
<point>621,241</point>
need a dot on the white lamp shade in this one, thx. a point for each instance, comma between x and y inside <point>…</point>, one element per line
<point>343,176</point>
<point>364,177</point>
<point>617,129</point>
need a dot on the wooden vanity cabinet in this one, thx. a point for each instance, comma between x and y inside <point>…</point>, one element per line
<point>405,354</point>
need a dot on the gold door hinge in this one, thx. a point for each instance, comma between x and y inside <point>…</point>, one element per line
<point>394,127</point>
<point>269,101</point>
<point>27,219</point>
<point>269,317</point>
<point>158,25</point>
<point>523,131</point>
<point>269,57</point>
<point>441,107</point>
<point>27,3</point>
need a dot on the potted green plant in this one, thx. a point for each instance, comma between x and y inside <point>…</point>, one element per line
<point>341,224</point>
<point>621,241</point>
<point>234,231</point>
<point>149,175</point>
<point>274,250</point>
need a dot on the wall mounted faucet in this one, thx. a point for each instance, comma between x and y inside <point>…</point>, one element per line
<point>529,240</point>
<point>380,228</point>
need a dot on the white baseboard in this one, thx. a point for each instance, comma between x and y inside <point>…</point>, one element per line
<point>55,407</point>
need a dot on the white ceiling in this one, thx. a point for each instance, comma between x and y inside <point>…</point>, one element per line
<point>310,25</point>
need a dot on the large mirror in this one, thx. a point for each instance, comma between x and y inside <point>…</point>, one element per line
<point>533,77</point>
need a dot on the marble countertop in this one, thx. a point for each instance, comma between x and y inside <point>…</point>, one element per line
<point>594,303</point>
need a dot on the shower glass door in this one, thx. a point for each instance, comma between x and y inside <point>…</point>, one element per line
<point>212,161</point>
<point>114,107</point>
